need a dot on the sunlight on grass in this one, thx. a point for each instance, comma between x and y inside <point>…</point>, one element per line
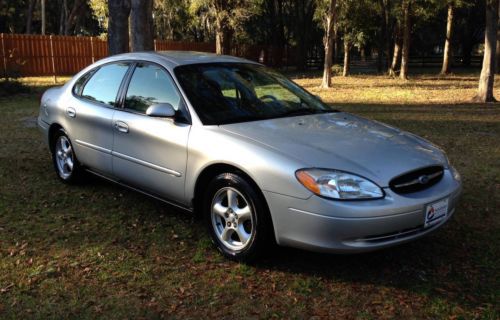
<point>44,81</point>
<point>100,251</point>
<point>384,90</point>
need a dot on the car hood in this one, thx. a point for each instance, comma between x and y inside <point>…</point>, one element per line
<point>345,142</point>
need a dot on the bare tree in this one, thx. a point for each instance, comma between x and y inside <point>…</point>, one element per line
<point>328,40</point>
<point>487,78</point>
<point>405,54</point>
<point>447,46</point>
<point>141,25</point>
<point>118,35</point>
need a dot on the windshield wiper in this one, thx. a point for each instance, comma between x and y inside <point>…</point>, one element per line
<point>306,111</point>
<point>245,118</point>
<point>298,112</point>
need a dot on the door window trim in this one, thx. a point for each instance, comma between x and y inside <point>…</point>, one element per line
<point>94,70</point>
<point>122,92</point>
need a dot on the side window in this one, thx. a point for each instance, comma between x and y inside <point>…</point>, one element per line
<point>150,84</point>
<point>77,88</point>
<point>104,84</point>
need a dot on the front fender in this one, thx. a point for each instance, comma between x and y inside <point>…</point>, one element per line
<point>269,169</point>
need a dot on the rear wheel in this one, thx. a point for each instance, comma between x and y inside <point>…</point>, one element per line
<point>237,218</point>
<point>65,162</point>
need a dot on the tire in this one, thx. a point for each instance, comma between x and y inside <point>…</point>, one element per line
<point>66,165</point>
<point>237,218</point>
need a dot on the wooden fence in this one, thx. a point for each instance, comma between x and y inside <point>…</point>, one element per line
<point>37,55</point>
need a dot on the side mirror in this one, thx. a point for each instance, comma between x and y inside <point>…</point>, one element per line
<point>161,110</point>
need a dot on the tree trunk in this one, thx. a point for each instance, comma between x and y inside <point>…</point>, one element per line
<point>118,36</point>
<point>335,42</point>
<point>447,46</point>
<point>347,58</point>
<point>281,43</point>
<point>497,67</point>
<point>329,43</point>
<point>304,21</point>
<point>141,25</point>
<point>72,16</point>
<point>383,43</point>
<point>395,56</point>
<point>387,13</point>
<point>29,16</point>
<point>42,5</point>
<point>487,78</point>
<point>223,40</point>
<point>405,54</point>
<point>380,51</point>
<point>62,16</point>
<point>276,35</point>
<point>223,36</point>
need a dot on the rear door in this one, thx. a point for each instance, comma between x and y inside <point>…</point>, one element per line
<point>151,153</point>
<point>91,114</point>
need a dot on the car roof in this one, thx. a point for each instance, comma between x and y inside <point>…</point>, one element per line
<point>179,58</point>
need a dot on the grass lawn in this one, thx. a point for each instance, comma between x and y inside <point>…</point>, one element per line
<point>99,250</point>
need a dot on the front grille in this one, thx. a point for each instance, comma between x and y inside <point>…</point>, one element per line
<point>417,180</point>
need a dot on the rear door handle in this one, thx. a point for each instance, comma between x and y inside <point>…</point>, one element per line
<point>121,126</point>
<point>71,112</point>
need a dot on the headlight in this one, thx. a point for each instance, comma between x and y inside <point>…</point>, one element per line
<point>455,173</point>
<point>338,185</point>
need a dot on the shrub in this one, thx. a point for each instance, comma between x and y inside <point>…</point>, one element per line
<point>12,87</point>
<point>337,70</point>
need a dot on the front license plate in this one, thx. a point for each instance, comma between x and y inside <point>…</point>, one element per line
<point>435,212</point>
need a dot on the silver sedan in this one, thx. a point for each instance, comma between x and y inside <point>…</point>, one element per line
<point>260,158</point>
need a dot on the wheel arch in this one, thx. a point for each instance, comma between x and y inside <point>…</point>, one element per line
<point>211,171</point>
<point>53,129</point>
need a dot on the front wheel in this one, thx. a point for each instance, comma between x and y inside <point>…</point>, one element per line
<point>237,218</point>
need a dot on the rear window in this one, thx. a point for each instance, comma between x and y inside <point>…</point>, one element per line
<point>103,86</point>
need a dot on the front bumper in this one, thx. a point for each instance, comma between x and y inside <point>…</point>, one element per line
<point>323,225</point>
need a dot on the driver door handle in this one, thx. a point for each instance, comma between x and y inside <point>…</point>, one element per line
<point>121,126</point>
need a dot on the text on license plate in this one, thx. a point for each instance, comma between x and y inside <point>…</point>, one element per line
<point>435,212</point>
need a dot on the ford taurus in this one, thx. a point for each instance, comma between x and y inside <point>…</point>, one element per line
<point>260,158</point>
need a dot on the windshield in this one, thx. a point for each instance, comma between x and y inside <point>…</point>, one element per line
<point>223,93</point>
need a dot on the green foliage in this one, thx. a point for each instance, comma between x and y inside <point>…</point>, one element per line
<point>337,70</point>
<point>358,21</point>
<point>232,13</point>
<point>12,15</point>
<point>100,12</point>
<point>298,25</point>
<point>173,20</point>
